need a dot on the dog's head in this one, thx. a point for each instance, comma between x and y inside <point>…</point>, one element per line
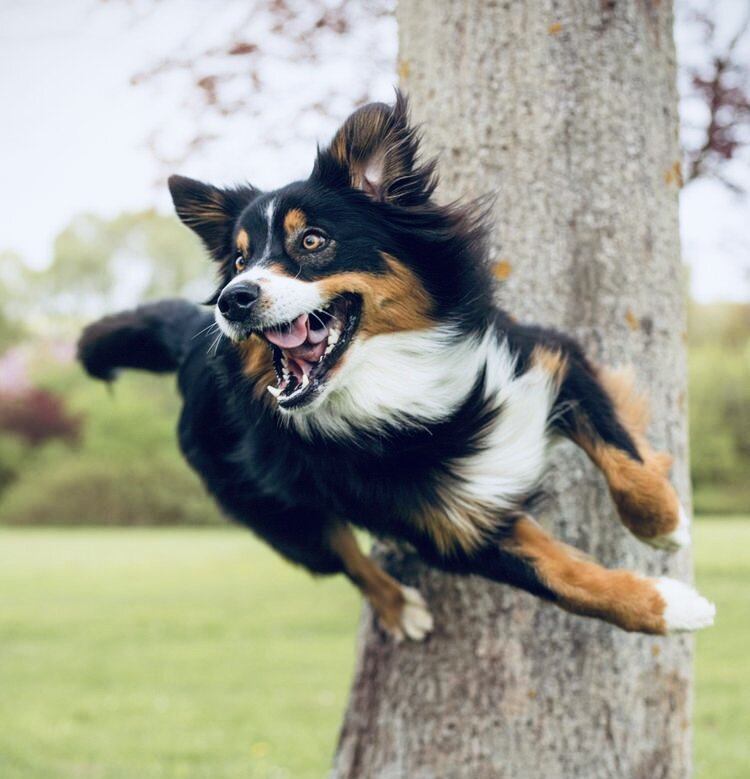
<point>357,252</point>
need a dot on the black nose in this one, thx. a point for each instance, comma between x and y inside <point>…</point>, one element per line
<point>236,301</point>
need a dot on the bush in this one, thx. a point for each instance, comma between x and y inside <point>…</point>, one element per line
<point>126,469</point>
<point>79,492</point>
<point>37,416</point>
<point>719,375</point>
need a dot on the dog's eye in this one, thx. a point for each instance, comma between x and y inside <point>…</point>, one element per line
<point>240,263</point>
<point>313,241</point>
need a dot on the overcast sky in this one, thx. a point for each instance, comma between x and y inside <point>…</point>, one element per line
<point>74,131</point>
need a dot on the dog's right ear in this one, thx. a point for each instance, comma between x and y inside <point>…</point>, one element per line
<point>209,211</point>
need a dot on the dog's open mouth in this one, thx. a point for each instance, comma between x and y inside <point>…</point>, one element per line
<point>306,349</point>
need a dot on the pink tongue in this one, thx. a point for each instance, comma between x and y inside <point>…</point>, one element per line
<point>303,344</point>
<point>296,336</point>
<point>315,336</point>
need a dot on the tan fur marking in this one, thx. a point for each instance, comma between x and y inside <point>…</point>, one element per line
<point>364,143</point>
<point>584,587</point>
<point>383,592</point>
<point>447,536</point>
<point>243,241</point>
<point>647,503</point>
<point>202,213</point>
<point>196,212</point>
<point>632,406</point>
<point>552,362</point>
<point>294,221</point>
<point>258,367</point>
<point>457,525</point>
<point>391,303</point>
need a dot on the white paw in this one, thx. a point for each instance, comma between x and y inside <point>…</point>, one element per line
<point>686,610</point>
<point>677,539</point>
<point>416,620</point>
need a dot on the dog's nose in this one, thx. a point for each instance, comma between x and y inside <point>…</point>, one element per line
<point>236,301</point>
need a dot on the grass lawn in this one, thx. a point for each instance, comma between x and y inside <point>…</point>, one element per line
<point>136,654</point>
<point>197,653</point>
<point>722,664</point>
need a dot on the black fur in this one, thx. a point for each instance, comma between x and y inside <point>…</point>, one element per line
<point>266,475</point>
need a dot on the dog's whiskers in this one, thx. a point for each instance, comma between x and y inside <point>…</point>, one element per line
<point>328,314</point>
<point>215,345</point>
<point>213,326</point>
<point>322,323</point>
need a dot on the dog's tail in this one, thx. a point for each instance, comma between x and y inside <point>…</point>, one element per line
<point>154,337</point>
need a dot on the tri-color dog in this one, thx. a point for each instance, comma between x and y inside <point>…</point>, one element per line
<point>361,374</point>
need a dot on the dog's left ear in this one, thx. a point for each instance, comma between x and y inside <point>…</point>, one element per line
<point>376,151</point>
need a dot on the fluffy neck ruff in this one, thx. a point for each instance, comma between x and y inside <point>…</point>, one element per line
<point>398,380</point>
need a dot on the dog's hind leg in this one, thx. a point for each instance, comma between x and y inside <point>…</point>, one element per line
<point>600,410</point>
<point>401,610</point>
<point>526,556</point>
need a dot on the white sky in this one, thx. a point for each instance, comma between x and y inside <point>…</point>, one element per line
<point>74,130</point>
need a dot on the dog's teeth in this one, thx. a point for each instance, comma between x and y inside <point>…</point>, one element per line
<point>333,337</point>
<point>275,391</point>
<point>305,380</point>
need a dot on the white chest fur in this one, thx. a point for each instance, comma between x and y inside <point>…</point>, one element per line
<point>424,377</point>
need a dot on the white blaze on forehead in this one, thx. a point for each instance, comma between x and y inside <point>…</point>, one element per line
<point>270,211</point>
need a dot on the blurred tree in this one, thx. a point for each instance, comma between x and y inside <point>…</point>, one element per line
<point>720,85</point>
<point>275,60</point>
<point>14,275</point>
<point>101,264</point>
<point>236,74</point>
<point>720,406</point>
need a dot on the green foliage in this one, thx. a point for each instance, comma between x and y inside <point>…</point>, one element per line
<point>13,284</point>
<point>127,469</point>
<point>719,324</point>
<point>101,264</point>
<point>719,377</point>
<point>29,418</point>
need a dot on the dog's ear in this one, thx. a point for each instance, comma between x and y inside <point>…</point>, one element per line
<point>376,151</point>
<point>209,211</point>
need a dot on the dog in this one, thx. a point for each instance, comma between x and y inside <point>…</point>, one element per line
<point>356,371</point>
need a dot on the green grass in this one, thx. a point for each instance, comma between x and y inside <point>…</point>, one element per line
<point>722,670</point>
<point>197,653</point>
<point>167,653</point>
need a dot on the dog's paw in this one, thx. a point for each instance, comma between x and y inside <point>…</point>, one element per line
<point>676,539</point>
<point>415,621</point>
<point>685,610</point>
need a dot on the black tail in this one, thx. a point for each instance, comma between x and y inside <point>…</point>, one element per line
<point>154,337</point>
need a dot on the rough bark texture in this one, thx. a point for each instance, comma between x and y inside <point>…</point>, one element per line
<point>567,110</point>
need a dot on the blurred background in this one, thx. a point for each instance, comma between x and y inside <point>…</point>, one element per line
<point>114,657</point>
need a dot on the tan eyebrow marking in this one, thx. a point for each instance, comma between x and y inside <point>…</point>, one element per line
<point>294,221</point>
<point>243,241</point>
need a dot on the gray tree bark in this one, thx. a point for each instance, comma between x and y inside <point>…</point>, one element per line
<point>567,110</point>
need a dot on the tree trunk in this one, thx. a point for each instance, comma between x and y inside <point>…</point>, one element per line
<point>567,110</point>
